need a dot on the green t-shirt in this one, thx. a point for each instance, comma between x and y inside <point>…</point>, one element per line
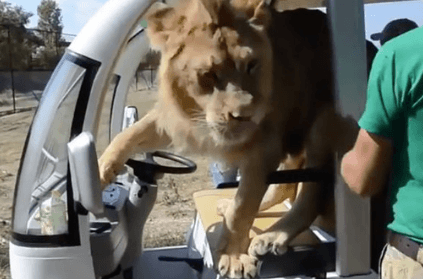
<point>394,109</point>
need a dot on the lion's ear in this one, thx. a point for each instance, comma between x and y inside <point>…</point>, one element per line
<point>199,11</point>
<point>160,22</point>
<point>212,7</point>
<point>261,18</point>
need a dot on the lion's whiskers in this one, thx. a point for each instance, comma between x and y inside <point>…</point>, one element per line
<point>198,118</point>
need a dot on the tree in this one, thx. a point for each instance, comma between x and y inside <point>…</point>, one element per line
<point>13,15</point>
<point>15,40</point>
<point>150,60</point>
<point>50,22</point>
<point>50,17</point>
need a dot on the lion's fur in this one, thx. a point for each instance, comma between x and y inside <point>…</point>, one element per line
<point>245,84</point>
<point>301,84</point>
<point>195,43</point>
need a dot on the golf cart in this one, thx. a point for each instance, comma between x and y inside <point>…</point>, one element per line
<point>64,226</point>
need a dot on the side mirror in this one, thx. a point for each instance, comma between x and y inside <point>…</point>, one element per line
<point>85,174</point>
<point>130,116</point>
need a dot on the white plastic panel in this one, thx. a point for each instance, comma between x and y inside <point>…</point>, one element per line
<point>131,57</point>
<point>102,39</point>
<point>59,262</point>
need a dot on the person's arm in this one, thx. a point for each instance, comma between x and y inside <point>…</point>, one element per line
<point>367,166</point>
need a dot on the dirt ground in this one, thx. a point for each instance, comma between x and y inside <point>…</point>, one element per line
<point>13,131</point>
<point>174,208</point>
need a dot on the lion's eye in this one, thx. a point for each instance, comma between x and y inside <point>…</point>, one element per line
<point>212,76</point>
<point>208,81</point>
<point>252,66</point>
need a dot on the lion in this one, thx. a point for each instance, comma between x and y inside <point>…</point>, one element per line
<point>252,87</point>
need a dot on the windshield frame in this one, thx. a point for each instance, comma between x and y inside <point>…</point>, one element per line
<point>33,145</point>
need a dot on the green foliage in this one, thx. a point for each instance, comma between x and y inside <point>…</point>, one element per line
<point>15,40</point>
<point>151,60</point>
<point>50,22</point>
<point>13,15</point>
<point>47,57</point>
<point>50,16</point>
<point>22,49</point>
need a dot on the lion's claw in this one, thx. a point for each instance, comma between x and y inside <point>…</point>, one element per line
<point>237,266</point>
<point>231,258</point>
<point>273,242</point>
<point>108,169</point>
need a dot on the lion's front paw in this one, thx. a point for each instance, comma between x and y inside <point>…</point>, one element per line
<point>237,266</point>
<point>273,242</point>
<point>231,258</point>
<point>109,167</point>
<point>222,205</point>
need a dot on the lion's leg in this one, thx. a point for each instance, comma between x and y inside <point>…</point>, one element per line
<point>310,201</point>
<point>277,193</point>
<point>142,136</point>
<point>231,253</point>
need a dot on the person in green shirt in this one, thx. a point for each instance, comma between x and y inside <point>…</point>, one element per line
<point>393,29</point>
<point>390,144</point>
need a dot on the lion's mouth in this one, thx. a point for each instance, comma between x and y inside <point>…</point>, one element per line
<point>237,129</point>
<point>235,132</point>
<point>241,127</point>
<point>239,118</point>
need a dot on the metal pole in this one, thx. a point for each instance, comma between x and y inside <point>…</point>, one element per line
<point>56,34</point>
<point>11,68</point>
<point>136,80</point>
<point>352,212</point>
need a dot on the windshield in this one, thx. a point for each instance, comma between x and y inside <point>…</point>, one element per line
<point>43,177</point>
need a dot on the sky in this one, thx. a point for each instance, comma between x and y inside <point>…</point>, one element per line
<point>77,12</point>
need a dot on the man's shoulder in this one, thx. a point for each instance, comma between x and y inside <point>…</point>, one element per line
<point>410,41</point>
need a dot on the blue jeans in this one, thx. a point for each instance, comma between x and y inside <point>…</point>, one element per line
<point>221,173</point>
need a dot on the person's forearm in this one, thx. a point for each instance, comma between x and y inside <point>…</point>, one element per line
<point>366,167</point>
<point>349,170</point>
<point>352,174</point>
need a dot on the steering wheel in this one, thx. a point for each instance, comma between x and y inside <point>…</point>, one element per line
<point>148,169</point>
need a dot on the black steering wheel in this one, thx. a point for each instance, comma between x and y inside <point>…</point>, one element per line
<point>148,169</point>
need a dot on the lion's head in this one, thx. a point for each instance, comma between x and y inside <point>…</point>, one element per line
<point>216,67</point>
